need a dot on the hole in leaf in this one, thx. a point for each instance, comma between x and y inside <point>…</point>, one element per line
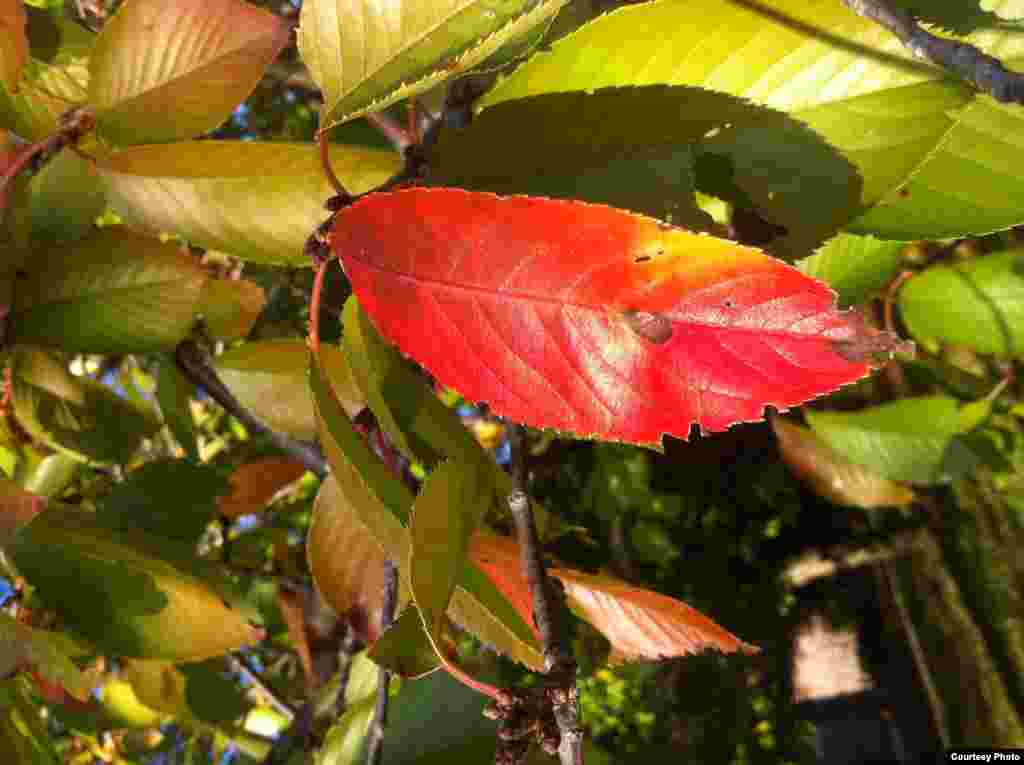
<point>641,258</point>
<point>650,326</point>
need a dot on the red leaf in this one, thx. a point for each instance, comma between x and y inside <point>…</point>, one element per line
<point>255,483</point>
<point>639,623</point>
<point>593,320</point>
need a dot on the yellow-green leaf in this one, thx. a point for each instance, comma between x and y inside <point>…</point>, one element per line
<point>259,201</point>
<point>366,56</point>
<point>166,71</point>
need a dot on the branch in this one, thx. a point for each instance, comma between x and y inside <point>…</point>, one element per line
<point>195,366</point>
<point>242,666</point>
<point>813,566</point>
<point>985,72</point>
<point>375,745</point>
<point>549,611</point>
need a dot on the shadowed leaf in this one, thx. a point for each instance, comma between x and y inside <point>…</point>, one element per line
<point>255,483</point>
<point>47,653</point>
<point>119,591</point>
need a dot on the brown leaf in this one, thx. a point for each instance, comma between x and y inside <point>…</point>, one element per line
<point>255,483</point>
<point>294,616</point>
<point>639,623</point>
<point>832,477</point>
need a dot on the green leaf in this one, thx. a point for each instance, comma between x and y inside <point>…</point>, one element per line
<point>65,198</point>
<point>407,409</point>
<point>854,266</point>
<point>230,307</point>
<point>173,393</point>
<point>405,648</point>
<point>375,494</point>
<point>978,303</point>
<point>344,742</point>
<point>164,72</point>
<point>259,201</point>
<point>113,292</point>
<point>211,694</point>
<point>445,516</point>
<point>357,469</point>
<point>635,148</point>
<point>931,150</point>
<point>173,499</point>
<point>960,17</point>
<point>13,43</point>
<point>23,736</point>
<point>54,79</point>
<point>915,439</point>
<point>270,379</point>
<point>48,653</point>
<point>75,415</point>
<point>119,590</point>
<point>366,56</point>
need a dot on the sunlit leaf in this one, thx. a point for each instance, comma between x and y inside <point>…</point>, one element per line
<point>13,43</point>
<point>366,56</point>
<point>113,292</point>
<point>960,16</point>
<point>639,623</point>
<point>259,201</point>
<point>931,150</point>
<point>914,439</point>
<point>344,742</point>
<point>167,71</point>
<point>830,475</point>
<point>255,483</point>
<point>854,266</point>
<point>978,304</point>
<point>346,560</point>
<point>591,320</point>
<point>119,590</point>
<point>270,379</point>
<point>84,419</point>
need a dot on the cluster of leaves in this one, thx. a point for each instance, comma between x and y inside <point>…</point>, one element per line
<point>579,306</point>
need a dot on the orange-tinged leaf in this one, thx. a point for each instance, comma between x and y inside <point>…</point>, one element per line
<point>593,320</point>
<point>17,507</point>
<point>13,43</point>
<point>166,71</point>
<point>639,623</point>
<point>832,476</point>
<point>290,604</point>
<point>346,560</point>
<point>255,483</point>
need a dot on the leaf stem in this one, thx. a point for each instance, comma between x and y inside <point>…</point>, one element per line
<point>549,612</point>
<point>985,72</point>
<point>195,366</point>
<point>399,137</point>
<point>325,163</point>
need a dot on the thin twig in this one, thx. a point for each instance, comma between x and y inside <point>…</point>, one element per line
<point>387,126</point>
<point>985,72</point>
<point>549,611</point>
<point>325,162</point>
<point>243,666</point>
<point>375,743</point>
<point>917,652</point>
<point>194,365</point>
<point>809,568</point>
